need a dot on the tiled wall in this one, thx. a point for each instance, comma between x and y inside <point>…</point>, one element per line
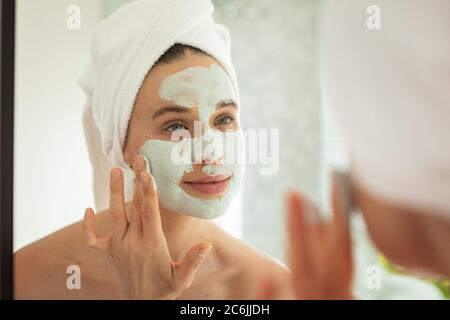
<point>274,48</point>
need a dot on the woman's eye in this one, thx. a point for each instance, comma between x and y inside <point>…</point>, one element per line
<point>224,120</point>
<point>176,126</point>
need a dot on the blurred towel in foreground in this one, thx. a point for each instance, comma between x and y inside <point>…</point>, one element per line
<point>391,92</point>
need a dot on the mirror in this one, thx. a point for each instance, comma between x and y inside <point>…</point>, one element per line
<point>297,141</point>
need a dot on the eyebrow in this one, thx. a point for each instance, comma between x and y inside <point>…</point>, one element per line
<point>163,110</point>
<point>180,109</point>
<point>226,103</point>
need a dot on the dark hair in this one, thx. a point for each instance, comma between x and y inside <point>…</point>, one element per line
<point>177,51</point>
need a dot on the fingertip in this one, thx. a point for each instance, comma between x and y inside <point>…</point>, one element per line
<point>267,288</point>
<point>290,194</point>
<point>204,249</point>
<point>146,163</point>
<point>295,206</point>
<point>116,175</point>
<point>140,163</point>
<point>294,199</point>
<point>88,214</point>
<point>296,221</point>
<point>88,226</point>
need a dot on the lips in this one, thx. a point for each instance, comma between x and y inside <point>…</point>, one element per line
<point>209,185</point>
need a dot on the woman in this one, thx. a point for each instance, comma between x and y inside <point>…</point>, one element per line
<point>155,242</point>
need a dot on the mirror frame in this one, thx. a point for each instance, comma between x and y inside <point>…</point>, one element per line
<point>7,31</point>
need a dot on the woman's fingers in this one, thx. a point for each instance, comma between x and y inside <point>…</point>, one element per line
<point>308,241</point>
<point>268,289</point>
<point>342,206</point>
<point>89,227</point>
<point>298,235</point>
<point>117,206</point>
<point>135,228</point>
<point>92,240</point>
<point>316,231</point>
<point>341,212</point>
<point>151,220</point>
<point>186,269</point>
<point>341,230</point>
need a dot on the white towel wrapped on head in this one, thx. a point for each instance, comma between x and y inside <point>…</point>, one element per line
<point>125,47</point>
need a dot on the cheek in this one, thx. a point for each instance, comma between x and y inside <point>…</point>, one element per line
<point>164,164</point>
<point>141,132</point>
<point>131,145</point>
<point>236,124</point>
<point>135,140</point>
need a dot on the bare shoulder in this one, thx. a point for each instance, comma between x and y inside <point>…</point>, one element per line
<point>40,267</point>
<point>251,267</point>
<point>34,270</point>
<point>258,268</point>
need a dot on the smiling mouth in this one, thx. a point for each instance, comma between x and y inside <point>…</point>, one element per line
<point>209,185</point>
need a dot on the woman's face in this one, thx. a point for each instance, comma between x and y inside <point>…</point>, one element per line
<point>190,92</point>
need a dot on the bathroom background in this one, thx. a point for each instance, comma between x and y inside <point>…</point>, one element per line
<point>275,52</point>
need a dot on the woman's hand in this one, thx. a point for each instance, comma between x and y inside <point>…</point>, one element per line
<point>137,248</point>
<point>320,256</point>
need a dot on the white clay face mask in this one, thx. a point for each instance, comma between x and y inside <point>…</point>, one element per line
<point>205,88</point>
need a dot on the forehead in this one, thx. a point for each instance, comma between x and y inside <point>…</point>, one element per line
<point>148,97</point>
<point>197,86</point>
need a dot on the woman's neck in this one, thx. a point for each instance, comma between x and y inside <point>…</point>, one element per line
<point>182,232</point>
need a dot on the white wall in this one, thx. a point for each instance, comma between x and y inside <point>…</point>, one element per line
<point>52,174</point>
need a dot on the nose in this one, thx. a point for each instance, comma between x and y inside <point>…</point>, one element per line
<point>208,149</point>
